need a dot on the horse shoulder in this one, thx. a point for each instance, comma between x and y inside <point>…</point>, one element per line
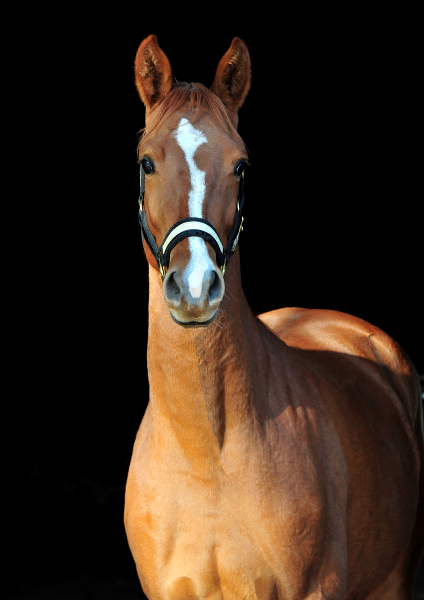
<point>139,495</point>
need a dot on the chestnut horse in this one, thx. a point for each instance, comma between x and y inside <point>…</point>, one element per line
<point>279,457</point>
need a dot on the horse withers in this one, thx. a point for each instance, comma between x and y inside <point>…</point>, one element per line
<point>279,457</point>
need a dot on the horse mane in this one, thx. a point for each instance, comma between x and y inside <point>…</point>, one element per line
<point>194,96</point>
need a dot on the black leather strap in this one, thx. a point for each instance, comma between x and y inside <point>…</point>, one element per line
<point>233,237</point>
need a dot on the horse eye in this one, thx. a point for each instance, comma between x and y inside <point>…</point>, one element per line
<point>240,168</point>
<point>147,166</point>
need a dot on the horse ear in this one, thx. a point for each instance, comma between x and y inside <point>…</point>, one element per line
<point>232,77</point>
<point>153,74</point>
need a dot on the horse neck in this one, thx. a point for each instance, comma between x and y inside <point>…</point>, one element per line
<point>204,382</point>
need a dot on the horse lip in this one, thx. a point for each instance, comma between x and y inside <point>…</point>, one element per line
<point>192,324</point>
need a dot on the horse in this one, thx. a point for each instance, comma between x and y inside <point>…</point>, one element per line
<point>279,456</point>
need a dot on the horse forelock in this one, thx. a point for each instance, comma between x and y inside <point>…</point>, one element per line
<point>193,97</point>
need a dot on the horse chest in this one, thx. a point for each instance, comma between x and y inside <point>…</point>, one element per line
<point>221,539</point>
<point>217,564</point>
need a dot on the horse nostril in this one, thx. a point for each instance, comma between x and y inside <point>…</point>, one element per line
<point>215,287</point>
<point>172,289</point>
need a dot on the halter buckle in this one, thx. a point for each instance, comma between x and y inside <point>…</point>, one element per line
<point>224,267</point>
<point>238,234</point>
<point>162,270</point>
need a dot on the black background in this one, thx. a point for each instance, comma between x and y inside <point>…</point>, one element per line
<point>332,220</point>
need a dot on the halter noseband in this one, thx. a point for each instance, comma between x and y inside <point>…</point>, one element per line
<point>191,226</point>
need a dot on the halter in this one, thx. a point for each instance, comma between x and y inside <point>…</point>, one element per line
<point>189,227</point>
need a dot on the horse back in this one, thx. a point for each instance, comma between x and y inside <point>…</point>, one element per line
<point>329,333</point>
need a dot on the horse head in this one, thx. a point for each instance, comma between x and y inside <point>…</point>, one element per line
<point>192,163</point>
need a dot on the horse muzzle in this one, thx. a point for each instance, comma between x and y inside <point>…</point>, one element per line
<point>193,306</point>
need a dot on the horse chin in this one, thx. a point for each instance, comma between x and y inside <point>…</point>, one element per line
<point>191,324</point>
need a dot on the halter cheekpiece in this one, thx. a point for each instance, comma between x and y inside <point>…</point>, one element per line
<point>189,227</point>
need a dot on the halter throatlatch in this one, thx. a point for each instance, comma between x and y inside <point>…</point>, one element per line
<point>190,227</point>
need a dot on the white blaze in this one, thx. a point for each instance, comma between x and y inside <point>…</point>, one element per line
<point>189,139</point>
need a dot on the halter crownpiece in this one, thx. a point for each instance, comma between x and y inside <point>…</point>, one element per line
<point>190,227</point>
